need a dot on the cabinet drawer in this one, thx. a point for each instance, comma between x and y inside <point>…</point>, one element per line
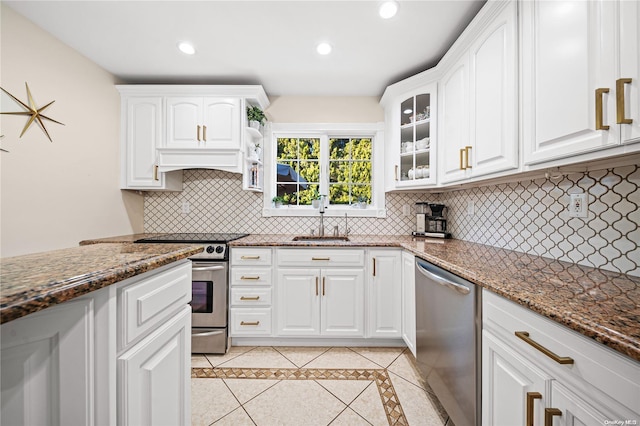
<point>251,256</point>
<point>320,257</point>
<point>594,363</point>
<point>250,276</point>
<point>251,296</point>
<point>254,321</point>
<point>144,304</point>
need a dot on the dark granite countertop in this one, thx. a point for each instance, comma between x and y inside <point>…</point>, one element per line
<point>34,282</point>
<point>602,305</point>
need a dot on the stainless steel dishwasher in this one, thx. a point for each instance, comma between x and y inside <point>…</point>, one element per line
<point>448,339</point>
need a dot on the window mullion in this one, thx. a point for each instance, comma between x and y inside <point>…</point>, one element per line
<point>324,165</point>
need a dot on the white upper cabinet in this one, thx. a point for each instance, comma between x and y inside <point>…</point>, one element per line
<point>168,128</point>
<point>478,102</point>
<point>210,122</point>
<point>453,115</point>
<point>493,96</point>
<point>141,134</point>
<point>572,66</point>
<point>628,80</point>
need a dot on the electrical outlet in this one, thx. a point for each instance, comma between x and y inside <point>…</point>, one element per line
<point>470,208</point>
<point>578,206</point>
<point>186,208</point>
<point>406,210</point>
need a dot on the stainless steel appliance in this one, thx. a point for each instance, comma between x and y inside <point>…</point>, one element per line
<point>431,220</point>
<point>448,340</point>
<point>210,288</point>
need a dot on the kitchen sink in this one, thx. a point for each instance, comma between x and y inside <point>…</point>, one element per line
<point>318,238</point>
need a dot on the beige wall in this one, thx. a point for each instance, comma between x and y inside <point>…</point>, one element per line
<point>325,109</point>
<point>55,194</point>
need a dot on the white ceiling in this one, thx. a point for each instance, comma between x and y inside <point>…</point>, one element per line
<point>258,42</point>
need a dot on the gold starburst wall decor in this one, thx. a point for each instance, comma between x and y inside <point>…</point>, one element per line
<point>35,114</point>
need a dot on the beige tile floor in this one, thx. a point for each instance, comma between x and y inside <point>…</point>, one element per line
<point>268,386</point>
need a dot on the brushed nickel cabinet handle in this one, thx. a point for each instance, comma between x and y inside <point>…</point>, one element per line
<point>249,298</point>
<point>599,112</point>
<point>155,172</point>
<point>249,278</point>
<point>531,396</point>
<point>204,133</point>
<point>524,335</point>
<point>249,257</point>
<point>250,323</point>
<point>549,413</point>
<point>396,172</point>
<point>198,134</point>
<point>620,101</point>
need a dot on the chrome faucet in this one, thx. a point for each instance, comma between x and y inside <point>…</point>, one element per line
<point>346,226</point>
<point>321,210</point>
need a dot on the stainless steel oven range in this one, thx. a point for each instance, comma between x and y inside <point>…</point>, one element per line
<point>210,288</point>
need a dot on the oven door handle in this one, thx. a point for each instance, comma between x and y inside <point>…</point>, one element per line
<point>208,333</point>
<point>208,268</point>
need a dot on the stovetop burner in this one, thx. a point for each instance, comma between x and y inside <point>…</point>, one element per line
<point>195,237</point>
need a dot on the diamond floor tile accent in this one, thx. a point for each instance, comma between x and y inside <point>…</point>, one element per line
<point>357,391</point>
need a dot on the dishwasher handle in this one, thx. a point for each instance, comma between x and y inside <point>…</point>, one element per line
<point>464,290</point>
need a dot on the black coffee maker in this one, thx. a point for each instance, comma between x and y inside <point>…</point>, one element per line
<point>435,223</point>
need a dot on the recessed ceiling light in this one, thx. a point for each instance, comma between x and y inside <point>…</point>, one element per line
<point>186,48</point>
<point>388,9</point>
<point>323,48</point>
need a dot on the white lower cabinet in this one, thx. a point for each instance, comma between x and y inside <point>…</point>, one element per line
<point>251,294</point>
<point>512,387</point>
<point>48,367</point>
<point>65,365</point>
<point>535,372</point>
<point>328,302</point>
<point>154,376</point>
<point>409,301</point>
<point>385,293</point>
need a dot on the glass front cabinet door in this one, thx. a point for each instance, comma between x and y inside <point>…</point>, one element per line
<point>417,139</point>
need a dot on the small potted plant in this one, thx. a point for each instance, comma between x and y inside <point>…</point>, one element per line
<point>277,201</point>
<point>362,202</point>
<point>255,116</point>
<point>315,199</point>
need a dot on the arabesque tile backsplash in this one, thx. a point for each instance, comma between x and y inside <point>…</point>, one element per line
<point>529,216</point>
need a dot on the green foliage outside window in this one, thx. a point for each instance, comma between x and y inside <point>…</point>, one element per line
<point>349,169</point>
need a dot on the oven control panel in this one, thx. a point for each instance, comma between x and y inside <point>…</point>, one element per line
<point>212,251</point>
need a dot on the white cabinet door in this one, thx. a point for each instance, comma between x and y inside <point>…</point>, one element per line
<point>511,386</point>
<point>184,122</point>
<point>47,367</point>
<point>573,411</point>
<point>453,116</point>
<point>567,53</point>
<point>385,293</point>
<point>298,302</point>
<point>493,88</point>
<point>221,122</point>
<point>154,376</point>
<point>141,134</point>
<point>143,129</point>
<point>342,306</point>
<point>409,301</point>
<point>629,21</point>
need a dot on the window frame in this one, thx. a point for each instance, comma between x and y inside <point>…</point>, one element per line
<point>326,131</point>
